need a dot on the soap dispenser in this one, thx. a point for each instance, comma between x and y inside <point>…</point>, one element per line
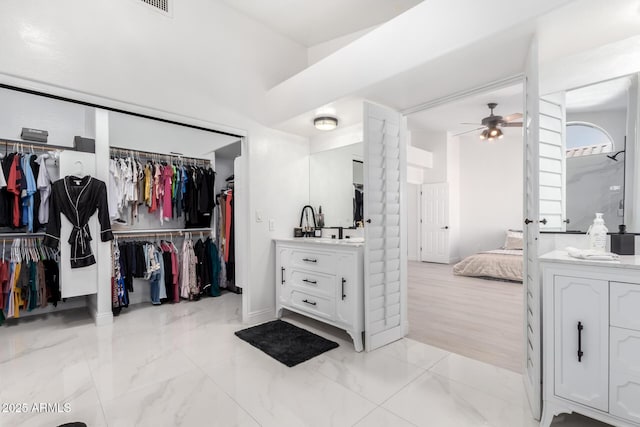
<point>320,217</point>
<point>597,234</point>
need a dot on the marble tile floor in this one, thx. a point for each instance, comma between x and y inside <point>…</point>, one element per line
<point>181,365</point>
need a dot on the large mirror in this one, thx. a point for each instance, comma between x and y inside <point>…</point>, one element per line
<point>336,183</point>
<point>587,156</point>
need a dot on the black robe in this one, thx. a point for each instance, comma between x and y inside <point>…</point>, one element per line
<point>78,199</point>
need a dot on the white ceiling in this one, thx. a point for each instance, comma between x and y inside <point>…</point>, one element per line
<point>472,109</point>
<point>310,23</point>
<point>348,111</point>
<point>609,95</point>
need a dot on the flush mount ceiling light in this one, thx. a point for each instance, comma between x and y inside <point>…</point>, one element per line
<point>325,123</point>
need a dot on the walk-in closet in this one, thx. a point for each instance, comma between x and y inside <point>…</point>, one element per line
<point>112,209</point>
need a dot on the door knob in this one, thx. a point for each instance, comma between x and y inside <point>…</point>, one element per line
<point>527,221</point>
<point>369,221</point>
<point>543,221</point>
<point>446,227</point>
<point>567,221</point>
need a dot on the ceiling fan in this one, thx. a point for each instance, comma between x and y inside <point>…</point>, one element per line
<point>491,124</point>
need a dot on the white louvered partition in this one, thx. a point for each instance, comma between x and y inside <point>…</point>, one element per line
<point>531,277</point>
<point>552,166</point>
<point>385,254</point>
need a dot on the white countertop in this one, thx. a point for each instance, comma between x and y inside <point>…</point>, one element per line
<point>561,256</point>
<point>354,242</point>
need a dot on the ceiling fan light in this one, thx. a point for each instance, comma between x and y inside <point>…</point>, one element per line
<point>494,132</point>
<point>325,123</point>
<point>484,134</point>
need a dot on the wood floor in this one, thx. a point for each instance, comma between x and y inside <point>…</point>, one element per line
<point>477,318</point>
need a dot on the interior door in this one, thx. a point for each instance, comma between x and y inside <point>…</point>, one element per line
<point>435,223</point>
<point>552,151</point>
<point>385,255</point>
<point>531,279</point>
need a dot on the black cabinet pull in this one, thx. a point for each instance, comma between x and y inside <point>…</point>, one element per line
<point>282,277</point>
<point>309,302</point>
<point>309,260</point>
<point>543,221</point>
<point>527,221</point>
<point>580,353</point>
<point>313,282</point>
<point>343,282</point>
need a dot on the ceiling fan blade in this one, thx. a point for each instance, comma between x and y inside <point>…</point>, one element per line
<point>512,125</point>
<point>468,131</point>
<point>475,124</point>
<point>512,117</point>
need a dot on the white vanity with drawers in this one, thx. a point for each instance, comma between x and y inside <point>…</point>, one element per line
<point>591,351</point>
<point>322,279</point>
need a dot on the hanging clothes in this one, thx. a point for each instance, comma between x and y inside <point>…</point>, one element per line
<point>78,199</point>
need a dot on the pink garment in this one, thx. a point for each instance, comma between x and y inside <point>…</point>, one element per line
<point>167,176</point>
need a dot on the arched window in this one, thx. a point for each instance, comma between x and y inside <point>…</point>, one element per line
<point>584,139</point>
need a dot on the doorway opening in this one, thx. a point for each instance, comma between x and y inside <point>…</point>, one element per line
<point>465,240</point>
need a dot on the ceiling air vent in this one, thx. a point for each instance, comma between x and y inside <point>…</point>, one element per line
<point>161,5</point>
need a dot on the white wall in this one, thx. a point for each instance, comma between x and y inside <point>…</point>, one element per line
<point>207,54</point>
<point>216,79</point>
<point>436,143</point>
<point>413,221</point>
<point>63,120</point>
<point>490,191</point>
<point>454,179</point>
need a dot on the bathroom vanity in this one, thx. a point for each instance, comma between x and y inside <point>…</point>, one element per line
<point>591,357</point>
<point>323,279</point>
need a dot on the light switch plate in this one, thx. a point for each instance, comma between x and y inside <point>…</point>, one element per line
<point>272,225</point>
<point>258,215</point>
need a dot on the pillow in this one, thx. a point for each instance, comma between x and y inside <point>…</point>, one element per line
<point>514,240</point>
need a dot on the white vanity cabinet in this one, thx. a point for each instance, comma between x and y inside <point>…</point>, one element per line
<point>322,280</point>
<point>591,318</point>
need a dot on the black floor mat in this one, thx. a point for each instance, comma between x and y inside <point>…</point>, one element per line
<point>285,342</point>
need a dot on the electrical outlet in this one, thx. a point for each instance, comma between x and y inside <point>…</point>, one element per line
<point>272,225</point>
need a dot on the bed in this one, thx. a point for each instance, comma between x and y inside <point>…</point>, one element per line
<point>501,264</point>
<point>505,263</point>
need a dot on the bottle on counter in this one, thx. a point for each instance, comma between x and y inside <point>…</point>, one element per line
<point>597,234</point>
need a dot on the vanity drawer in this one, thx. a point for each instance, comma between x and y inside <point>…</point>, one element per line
<point>316,283</point>
<point>323,262</point>
<point>624,299</point>
<point>625,351</point>
<point>320,306</point>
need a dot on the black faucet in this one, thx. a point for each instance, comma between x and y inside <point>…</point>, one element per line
<point>307,233</point>
<point>340,231</point>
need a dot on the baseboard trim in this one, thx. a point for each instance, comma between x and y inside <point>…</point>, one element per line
<point>101,319</point>
<point>260,316</point>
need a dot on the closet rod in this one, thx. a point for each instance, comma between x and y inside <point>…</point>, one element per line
<point>8,236</point>
<point>150,154</point>
<point>34,145</point>
<point>159,231</point>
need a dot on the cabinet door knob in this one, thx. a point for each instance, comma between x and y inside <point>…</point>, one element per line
<point>527,221</point>
<point>369,221</point>
<point>543,221</point>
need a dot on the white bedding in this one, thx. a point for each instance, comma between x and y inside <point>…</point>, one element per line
<point>500,264</point>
